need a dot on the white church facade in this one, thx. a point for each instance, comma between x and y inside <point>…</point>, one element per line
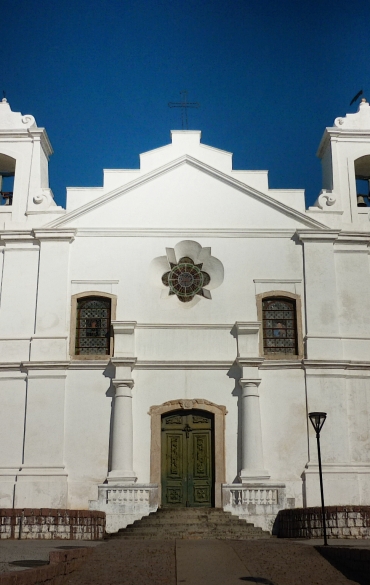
<point>164,337</point>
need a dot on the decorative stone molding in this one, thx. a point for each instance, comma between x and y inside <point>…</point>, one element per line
<point>358,121</point>
<point>124,338</point>
<point>325,199</point>
<point>200,403</point>
<point>247,338</point>
<point>203,266</point>
<point>219,413</point>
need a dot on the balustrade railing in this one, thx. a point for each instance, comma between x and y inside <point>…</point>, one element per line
<point>261,496</point>
<point>127,496</point>
<point>241,498</point>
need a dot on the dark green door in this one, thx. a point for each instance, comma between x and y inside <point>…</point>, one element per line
<point>187,459</point>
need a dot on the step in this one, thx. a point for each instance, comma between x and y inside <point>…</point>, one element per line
<point>192,528</point>
<point>185,521</point>
<point>191,523</point>
<point>186,536</point>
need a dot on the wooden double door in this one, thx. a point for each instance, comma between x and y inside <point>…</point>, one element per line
<point>188,459</point>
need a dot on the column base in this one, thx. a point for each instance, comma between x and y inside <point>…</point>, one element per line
<point>121,477</point>
<point>254,475</point>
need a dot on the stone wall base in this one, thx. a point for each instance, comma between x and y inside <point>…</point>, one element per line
<point>341,522</point>
<point>49,524</point>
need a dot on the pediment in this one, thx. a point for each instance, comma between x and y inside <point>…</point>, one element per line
<point>185,194</point>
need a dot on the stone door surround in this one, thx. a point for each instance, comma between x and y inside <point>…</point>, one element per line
<point>219,430</point>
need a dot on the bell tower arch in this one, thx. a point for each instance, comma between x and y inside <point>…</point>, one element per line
<point>345,157</point>
<point>24,178</point>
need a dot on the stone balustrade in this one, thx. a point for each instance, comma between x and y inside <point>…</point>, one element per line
<point>255,503</point>
<point>123,504</point>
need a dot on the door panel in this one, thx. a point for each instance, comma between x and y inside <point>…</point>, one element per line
<point>187,459</point>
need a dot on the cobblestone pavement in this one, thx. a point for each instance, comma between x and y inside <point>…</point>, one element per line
<point>189,562</point>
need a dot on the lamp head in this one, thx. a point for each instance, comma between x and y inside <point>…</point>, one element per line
<point>317,419</point>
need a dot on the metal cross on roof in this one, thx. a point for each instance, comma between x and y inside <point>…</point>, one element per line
<point>184,104</point>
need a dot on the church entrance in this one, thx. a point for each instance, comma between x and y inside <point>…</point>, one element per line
<point>187,458</point>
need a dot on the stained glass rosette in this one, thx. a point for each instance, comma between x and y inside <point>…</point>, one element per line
<point>186,279</point>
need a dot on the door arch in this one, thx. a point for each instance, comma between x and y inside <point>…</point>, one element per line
<point>219,412</point>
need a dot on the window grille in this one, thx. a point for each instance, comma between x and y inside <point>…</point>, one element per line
<point>93,326</point>
<point>279,326</point>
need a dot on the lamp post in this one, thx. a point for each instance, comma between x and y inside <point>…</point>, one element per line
<point>317,419</point>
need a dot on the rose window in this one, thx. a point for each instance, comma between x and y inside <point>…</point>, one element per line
<point>186,279</point>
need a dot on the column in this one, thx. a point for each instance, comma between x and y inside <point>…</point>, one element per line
<point>122,436</point>
<point>252,451</point>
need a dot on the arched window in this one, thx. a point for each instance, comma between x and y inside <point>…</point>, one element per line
<point>93,319</point>
<point>279,319</point>
<point>7,173</point>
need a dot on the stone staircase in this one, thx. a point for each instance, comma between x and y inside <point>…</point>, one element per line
<point>190,523</point>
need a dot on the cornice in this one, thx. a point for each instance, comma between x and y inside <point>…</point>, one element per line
<point>336,364</point>
<point>184,326</point>
<point>183,233</point>
<point>281,365</point>
<point>318,236</point>
<point>29,134</point>
<point>249,361</point>
<point>66,234</point>
<point>51,366</point>
<point>129,361</point>
<point>183,365</point>
<point>187,159</point>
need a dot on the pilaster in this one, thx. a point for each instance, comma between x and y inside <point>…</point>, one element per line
<point>50,339</point>
<point>322,320</point>
<point>18,295</point>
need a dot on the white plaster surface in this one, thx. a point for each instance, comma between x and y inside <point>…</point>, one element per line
<point>57,437</point>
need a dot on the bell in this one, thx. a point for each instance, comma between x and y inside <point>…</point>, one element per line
<point>361,201</point>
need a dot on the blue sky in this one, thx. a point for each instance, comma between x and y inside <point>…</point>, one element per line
<point>270,76</point>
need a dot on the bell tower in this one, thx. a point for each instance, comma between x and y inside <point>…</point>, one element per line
<point>24,180</point>
<point>345,156</point>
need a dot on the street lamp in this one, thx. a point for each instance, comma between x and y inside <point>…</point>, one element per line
<point>317,419</point>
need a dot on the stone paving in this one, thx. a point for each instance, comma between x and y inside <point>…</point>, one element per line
<point>20,550</point>
<point>209,562</point>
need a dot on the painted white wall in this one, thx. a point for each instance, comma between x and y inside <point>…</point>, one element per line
<point>56,413</point>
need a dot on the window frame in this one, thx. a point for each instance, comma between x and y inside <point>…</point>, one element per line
<point>281,294</point>
<point>72,345</point>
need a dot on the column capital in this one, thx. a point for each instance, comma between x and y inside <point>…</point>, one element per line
<point>250,382</point>
<point>249,387</point>
<point>119,383</point>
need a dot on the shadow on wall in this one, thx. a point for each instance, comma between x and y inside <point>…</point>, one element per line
<point>235,373</point>
<point>109,372</point>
